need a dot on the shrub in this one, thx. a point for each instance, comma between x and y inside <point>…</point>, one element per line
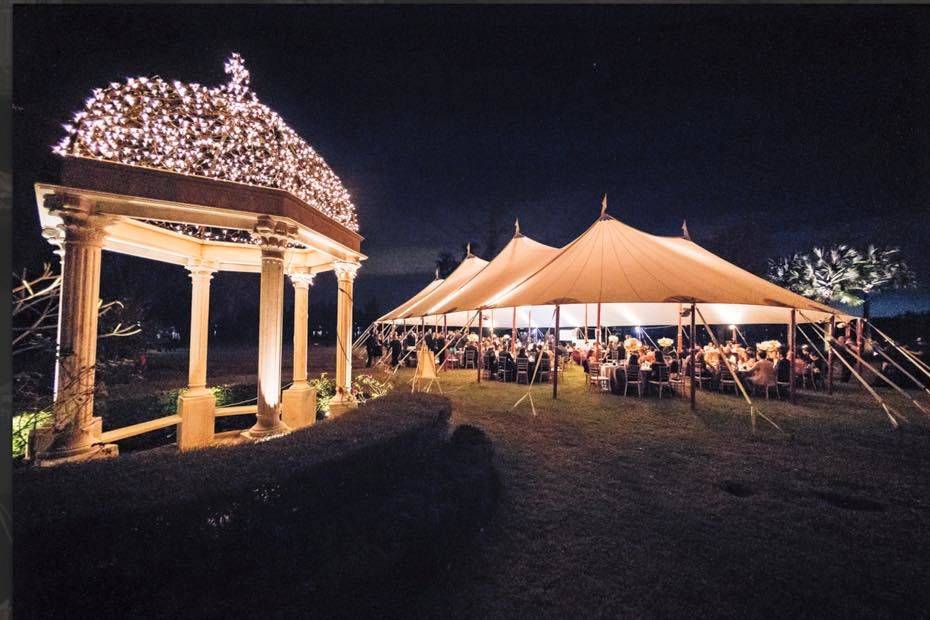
<point>364,388</point>
<point>372,502</point>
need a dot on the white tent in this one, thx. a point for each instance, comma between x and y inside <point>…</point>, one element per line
<point>643,279</point>
<point>429,288</point>
<point>636,278</point>
<point>414,309</point>
<point>520,258</point>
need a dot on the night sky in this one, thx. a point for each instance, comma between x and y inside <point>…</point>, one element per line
<point>768,128</point>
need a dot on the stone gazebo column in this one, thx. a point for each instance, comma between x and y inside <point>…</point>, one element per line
<point>343,400</point>
<point>299,400</point>
<point>197,405</point>
<point>75,432</point>
<point>273,238</point>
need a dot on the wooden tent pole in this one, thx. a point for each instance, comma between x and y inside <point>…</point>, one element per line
<point>586,323</point>
<point>480,339</point>
<point>792,337</point>
<point>598,326</point>
<point>680,335</point>
<point>555,356</point>
<point>445,327</point>
<point>691,365</point>
<point>860,345</point>
<point>830,354</point>
<point>513,333</point>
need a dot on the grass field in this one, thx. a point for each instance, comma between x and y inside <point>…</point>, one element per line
<point>618,506</point>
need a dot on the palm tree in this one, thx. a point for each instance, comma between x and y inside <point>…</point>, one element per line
<point>842,274</point>
<point>883,269</point>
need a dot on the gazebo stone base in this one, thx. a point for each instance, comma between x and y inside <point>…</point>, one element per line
<point>197,409</point>
<point>299,406</point>
<point>341,403</point>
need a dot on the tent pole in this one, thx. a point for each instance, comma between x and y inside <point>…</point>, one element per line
<point>860,344</point>
<point>679,331</point>
<point>598,326</point>
<point>513,333</point>
<point>691,365</point>
<point>792,337</point>
<point>586,323</point>
<point>480,334</point>
<point>830,354</point>
<point>555,356</point>
<point>445,327</point>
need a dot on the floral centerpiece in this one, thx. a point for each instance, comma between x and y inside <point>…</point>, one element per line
<point>768,346</point>
<point>632,344</point>
<point>613,339</point>
<point>472,338</point>
<point>664,342</point>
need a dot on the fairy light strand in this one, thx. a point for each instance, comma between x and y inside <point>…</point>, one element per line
<point>222,132</point>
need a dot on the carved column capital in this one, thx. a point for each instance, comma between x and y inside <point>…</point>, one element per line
<point>76,226</point>
<point>345,270</point>
<point>273,236</point>
<point>301,278</point>
<point>200,268</point>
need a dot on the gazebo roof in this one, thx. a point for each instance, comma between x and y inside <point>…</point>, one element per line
<point>223,133</point>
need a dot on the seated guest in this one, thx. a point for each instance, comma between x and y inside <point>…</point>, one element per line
<point>763,372</point>
<point>633,358</point>
<point>658,357</point>
<point>782,366</point>
<point>506,362</point>
<point>585,363</point>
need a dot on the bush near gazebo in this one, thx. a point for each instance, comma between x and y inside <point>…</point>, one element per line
<point>344,517</point>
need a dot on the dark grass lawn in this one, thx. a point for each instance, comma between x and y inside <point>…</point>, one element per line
<point>617,506</point>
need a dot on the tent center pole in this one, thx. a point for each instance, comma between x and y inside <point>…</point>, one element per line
<point>555,357</point>
<point>480,343</point>
<point>829,347</point>
<point>691,365</point>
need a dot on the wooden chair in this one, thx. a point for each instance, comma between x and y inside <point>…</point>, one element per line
<point>699,377</point>
<point>660,378</point>
<point>487,366</point>
<point>727,380</point>
<point>523,370</point>
<point>503,370</point>
<point>677,382</point>
<point>632,375</point>
<point>594,372</point>
<point>471,358</point>
<point>543,374</point>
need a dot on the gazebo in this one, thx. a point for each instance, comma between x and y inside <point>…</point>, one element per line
<point>208,179</point>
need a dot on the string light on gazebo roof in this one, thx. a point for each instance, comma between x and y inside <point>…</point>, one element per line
<point>222,132</point>
<point>212,233</point>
